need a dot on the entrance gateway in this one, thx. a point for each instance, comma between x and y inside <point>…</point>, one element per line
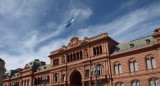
<point>75,78</point>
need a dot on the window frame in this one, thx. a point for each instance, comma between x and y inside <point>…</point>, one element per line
<point>154,81</point>
<point>119,68</point>
<point>150,64</point>
<point>134,66</point>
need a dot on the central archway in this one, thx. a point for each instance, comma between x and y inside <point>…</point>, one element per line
<point>75,79</point>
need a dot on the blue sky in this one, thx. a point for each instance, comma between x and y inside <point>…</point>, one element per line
<point>31,29</point>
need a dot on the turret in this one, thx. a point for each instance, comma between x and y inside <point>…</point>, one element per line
<point>156,35</point>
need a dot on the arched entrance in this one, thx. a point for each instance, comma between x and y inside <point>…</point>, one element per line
<point>75,79</point>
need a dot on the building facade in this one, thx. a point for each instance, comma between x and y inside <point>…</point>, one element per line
<point>96,61</point>
<point>2,71</point>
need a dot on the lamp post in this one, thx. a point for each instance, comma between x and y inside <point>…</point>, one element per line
<point>95,70</point>
<point>44,80</point>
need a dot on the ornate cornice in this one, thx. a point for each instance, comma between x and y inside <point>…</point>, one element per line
<point>75,42</point>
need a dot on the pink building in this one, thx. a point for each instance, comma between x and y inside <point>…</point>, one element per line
<point>98,59</point>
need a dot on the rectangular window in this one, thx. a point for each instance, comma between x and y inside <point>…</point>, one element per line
<point>153,63</point>
<point>131,66</point>
<point>148,64</point>
<point>87,73</point>
<point>56,78</point>
<point>64,77</point>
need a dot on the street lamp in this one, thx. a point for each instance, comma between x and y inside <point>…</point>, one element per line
<point>96,70</point>
<point>44,80</point>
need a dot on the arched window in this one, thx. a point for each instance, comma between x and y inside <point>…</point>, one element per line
<point>117,68</point>
<point>120,68</point>
<point>81,55</point>
<point>48,78</point>
<point>119,84</point>
<point>97,50</point>
<point>100,49</point>
<point>133,66</point>
<point>28,82</point>
<point>150,63</point>
<point>154,82</point>
<point>94,51</point>
<point>99,67</point>
<point>71,57</point>
<point>56,77</point>
<point>35,81</point>
<point>77,55</point>
<point>74,56</point>
<point>22,83</point>
<point>153,62</point>
<point>67,58</point>
<point>135,83</point>
<point>25,82</point>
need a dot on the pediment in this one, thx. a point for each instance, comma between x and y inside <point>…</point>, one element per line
<point>74,41</point>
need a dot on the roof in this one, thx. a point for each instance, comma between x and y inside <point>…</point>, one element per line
<point>1,60</point>
<point>133,44</point>
<point>16,74</point>
<point>44,67</point>
<point>34,64</point>
<point>12,73</point>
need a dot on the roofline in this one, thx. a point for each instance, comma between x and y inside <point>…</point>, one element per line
<point>132,50</point>
<point>136,39</point>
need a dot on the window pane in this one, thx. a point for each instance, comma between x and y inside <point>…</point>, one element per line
<point>131,66</point>
<point>151,82</point>
<point>97,50</point>
<point>81,55</point>
<point>120,69</point>
<point>63,77</point>
<point>100,70</point>
<point>117,84</point>
<point>116,69</point>
<point>133,83</point>
<point>135,66</point>
<point>100,49</point>
<point>99,67</point>
<point>153,63</point>
<point>138,83</point>
<point>87,73</point>
<point>121,84</point>
<point>157,82</point>
<point>148,64</point>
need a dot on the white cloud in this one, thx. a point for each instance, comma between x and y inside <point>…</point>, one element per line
<point>81,14</point>
<point>129,4</point>
<point>25,36</point>
<point>119,26</point>
<point>12,62</point>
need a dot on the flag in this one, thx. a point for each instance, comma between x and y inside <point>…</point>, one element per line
<point>69,22</point>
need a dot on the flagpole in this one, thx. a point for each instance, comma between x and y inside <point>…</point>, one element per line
<point>73,26</point>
